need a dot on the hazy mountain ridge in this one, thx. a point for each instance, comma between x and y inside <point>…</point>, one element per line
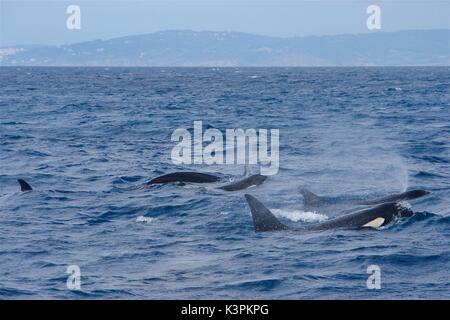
<point>207,48</point>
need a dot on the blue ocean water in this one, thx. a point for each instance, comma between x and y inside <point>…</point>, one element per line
<point>97,134</point>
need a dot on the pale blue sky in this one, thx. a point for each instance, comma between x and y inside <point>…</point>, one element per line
<point>44,22</point>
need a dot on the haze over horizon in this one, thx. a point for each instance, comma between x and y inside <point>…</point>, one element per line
<point>165,31</point>
<point>44,22</point>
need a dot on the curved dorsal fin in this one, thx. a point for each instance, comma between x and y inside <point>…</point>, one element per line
<point>311,199</point>
<point>263,219</point>
<point>24,186</point>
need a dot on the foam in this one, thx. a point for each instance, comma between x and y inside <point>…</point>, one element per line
<point>144,219</point>
<point>299,215</point>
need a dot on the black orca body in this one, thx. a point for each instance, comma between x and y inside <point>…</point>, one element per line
<point>376,217</point>
<point>245,183</point>
<point>312,200</point>
<point>408,195</point>
<point>186,176</point>
<point>248,180</point>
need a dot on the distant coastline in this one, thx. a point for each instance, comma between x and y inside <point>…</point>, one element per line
<point>186,48</point>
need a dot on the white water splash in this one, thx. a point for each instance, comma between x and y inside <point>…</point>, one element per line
<point>298,215</point>
<point>144,219</point>
<point>404,204</point>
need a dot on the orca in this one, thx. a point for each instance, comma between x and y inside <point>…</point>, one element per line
<point>408,195</point>
<point>184,176</point>
<point>375,217</point>
<point>312,200</point>
<point>249,180</point>
<point>245,183</point>
<point>24,186</point>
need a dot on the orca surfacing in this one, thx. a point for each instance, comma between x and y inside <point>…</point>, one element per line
<point>375,217</point>
<point>312,200</point>
<point>247,181</point>
<point>184,176</point>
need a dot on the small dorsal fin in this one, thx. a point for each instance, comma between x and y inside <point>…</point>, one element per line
<point>311,199</point>
<point>24,186</point>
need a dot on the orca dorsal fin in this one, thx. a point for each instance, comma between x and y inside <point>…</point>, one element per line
<point>311,199</point>
<point>24,186</point>
<point>263,219</point>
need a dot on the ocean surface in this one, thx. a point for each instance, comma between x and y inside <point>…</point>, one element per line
<point>87,139</point>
